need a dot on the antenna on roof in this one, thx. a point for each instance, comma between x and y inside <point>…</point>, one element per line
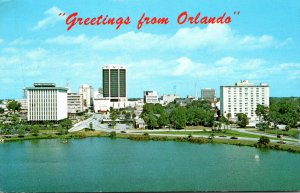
<point>174,89</point>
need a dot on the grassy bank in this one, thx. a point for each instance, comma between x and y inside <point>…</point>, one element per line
<point>289,133</point>
<point>230,133</point>
<point>146,137</point>
<point>201,140</point>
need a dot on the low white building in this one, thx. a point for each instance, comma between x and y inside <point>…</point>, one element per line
<point>104,104</point>
<point>46,102</point>
<point>150,97</point>
<point>75,103</point>
<point>166,99</point>
<point>101,105</point>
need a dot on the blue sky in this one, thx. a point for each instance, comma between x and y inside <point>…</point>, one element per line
<point>262,44</point>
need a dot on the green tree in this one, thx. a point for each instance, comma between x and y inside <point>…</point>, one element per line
<point>34,130</point>
<point>242,120</point>
<point>228,116</point>
<point>113,134</point>
<point>113,116</point>
<point>178,118</point>
<point>128,116</point>
<point>151,121</point>
<point>133,115</point>
<point>262,112</point>
<point>163,120</point>
<point>61,130</point>
<point>91,126</point>
<point>1,110</point>
<point>13,106</point>
<point>285,111</point>
<point>21,132</point>
<point>264,140</point>
<point>66,123</point>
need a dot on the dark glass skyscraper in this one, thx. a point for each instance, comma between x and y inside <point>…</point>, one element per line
<point>114,82</point>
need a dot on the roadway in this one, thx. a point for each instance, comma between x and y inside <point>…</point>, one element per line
<point>96,120</point>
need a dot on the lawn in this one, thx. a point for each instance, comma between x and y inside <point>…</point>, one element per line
<point>290,133</point>
<point>216,133</point>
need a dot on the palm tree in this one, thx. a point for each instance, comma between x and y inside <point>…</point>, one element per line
<point>228,116</point>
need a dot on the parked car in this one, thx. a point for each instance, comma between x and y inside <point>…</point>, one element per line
<point>233,137</point>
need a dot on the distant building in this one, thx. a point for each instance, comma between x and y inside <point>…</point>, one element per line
<point>208,94</point>
<point>243,97</point>
<point>150,97</point>
<point>46,102</point>
<point>24,105</point>
<point>101,105</point>
<point>75,103</point>
<point>166,99</point>
<point>86,91</point>
<point>114,82</point>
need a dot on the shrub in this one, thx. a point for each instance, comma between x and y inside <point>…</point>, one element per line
<point>263,140</point>
<point>113,134</point>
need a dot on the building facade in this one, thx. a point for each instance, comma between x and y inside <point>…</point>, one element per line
<point>114,83</point>
<point>166,99</point>
<point>150,97</point>
<point>75,103</point>
<point>46,102</point>
<point>243,97</point>
<point>86,91</point>
<point>208,94</point>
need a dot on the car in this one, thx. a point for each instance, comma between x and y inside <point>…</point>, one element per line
<point>233,137</point>
<point>123,131</point>
<point>281,142</point>
<point>222,136</point>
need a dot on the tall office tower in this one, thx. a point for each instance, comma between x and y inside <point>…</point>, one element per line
<point>46,102</point>
<point>243,97</point>
<point>86,91</point>
<point>208,94</point>
<point>114,82</point>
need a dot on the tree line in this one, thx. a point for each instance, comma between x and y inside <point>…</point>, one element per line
<point>176,116</point>
<point>281,111</point>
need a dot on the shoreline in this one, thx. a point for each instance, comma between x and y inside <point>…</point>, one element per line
<point>149,137</point>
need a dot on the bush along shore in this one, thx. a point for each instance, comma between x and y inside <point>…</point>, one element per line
<point>261,143</point>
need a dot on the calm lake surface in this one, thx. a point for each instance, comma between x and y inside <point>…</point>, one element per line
<point>103,164</point>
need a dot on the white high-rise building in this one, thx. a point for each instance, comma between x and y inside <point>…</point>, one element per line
<point>75,103</point>
<point>150,97</point>
<point>86,91</point>
<point>243,97</point>
<point>46,102</point>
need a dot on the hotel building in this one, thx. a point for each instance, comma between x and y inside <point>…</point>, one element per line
<point>46,102</point>
<point>243,97</point>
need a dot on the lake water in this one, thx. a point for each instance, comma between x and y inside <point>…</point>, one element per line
<point>103,164</point>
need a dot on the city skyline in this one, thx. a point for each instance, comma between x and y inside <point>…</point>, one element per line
<point>259,46</point>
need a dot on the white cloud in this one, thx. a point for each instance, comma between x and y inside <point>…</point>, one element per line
<point>51,18</point>
<point>1,41</point>
<point>20,42</point>
<point>226,61</point>
<point>67,40</point>
<point>215,37</point>
<point>35,54</point>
